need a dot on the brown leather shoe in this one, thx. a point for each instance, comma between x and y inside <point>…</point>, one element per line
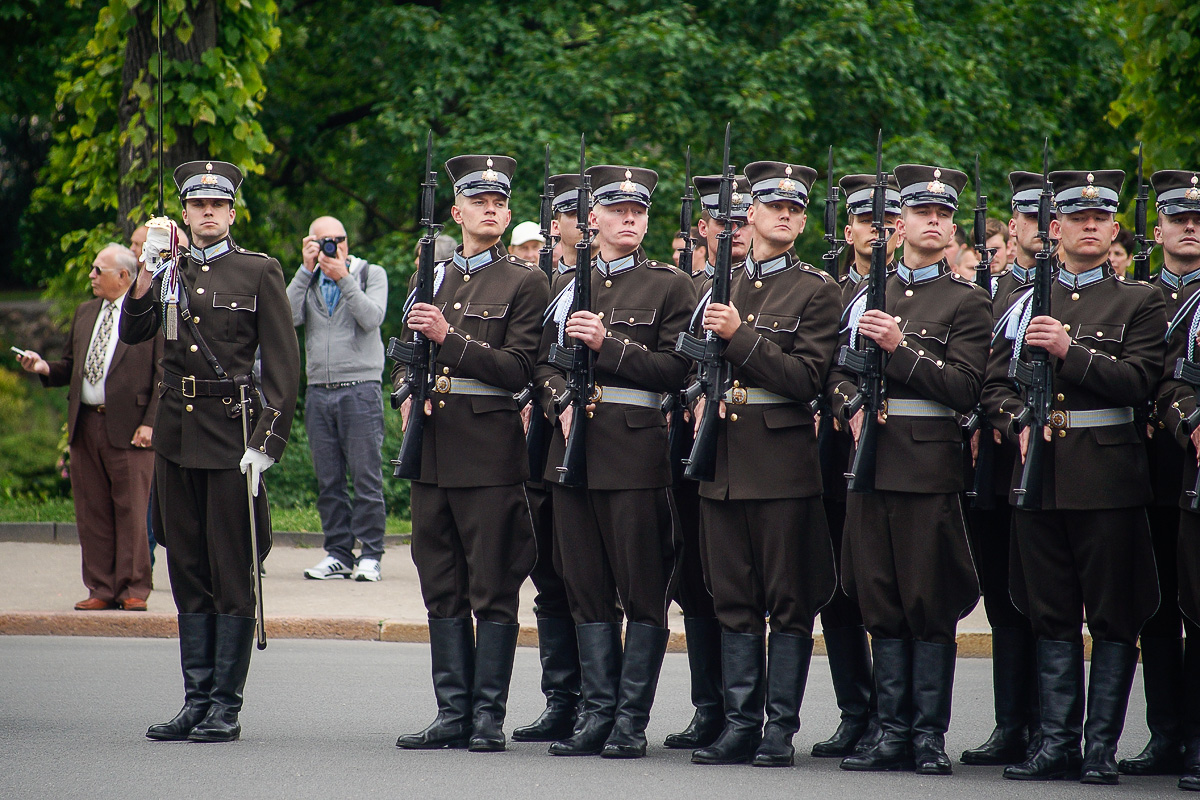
<point>133,604</point>
<point>93,604</point>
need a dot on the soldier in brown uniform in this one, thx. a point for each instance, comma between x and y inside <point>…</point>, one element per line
<point>989,523</point>
<point>473,539</point>
<point>763,528</point>
<point>1088,547</point>
<point>841,621</point>
<point>217,305</point>
<point>905,556</point>
<point>699,617</point>
<point>1178,231</point>
<point>619,535</point>
<point>557,647</point>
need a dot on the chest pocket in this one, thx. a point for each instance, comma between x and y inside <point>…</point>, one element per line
<point>485,321</point>
<point>234,316</point>
<point>1103,336</point>
<point>925,335</point>
<point>781,324</point>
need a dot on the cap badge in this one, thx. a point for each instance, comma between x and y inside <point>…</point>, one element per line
<point>208,166</point>
<point>489,174</point>
<point>787,184</point>
<point>936,186</point>
<point>1193,193</point>
<point>208,180</point>
<point>736,198</point>
<point>627,184</point>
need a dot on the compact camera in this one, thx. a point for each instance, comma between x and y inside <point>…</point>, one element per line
<point>329,245</point>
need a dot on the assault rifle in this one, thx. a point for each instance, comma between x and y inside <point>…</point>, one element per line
<point>981,493</point>
<point>675,404</point>
<point>868,362</point>
<point>713,372</point>
<point>1141,256</point>
<point>833,252</point>
<point>539,425</point>
<point>1036,376</point>
<point>418,355</point>
<point>577,359</point>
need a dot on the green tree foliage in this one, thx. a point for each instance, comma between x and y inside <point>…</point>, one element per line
<point>1161,88</point>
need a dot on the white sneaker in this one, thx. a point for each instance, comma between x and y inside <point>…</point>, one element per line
<point>367,569</point>
<point>329,567</point>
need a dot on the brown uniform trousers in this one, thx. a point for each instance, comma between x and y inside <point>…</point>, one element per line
<point>619,537</point>
<point>905,555</point>
<point>1089,546</point>
<point>239,304</point>
<point>766,540</point>
<point>473,541</point>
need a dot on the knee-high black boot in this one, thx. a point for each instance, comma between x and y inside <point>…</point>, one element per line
<point>1113,668</point>
<point>1162,674</point>
<point>933,688</point>
<point>1191,716</point>
<point>231,663</point>
<point>645,646</point>
<point>452,654</point>
<point>742,671</point>
<point>600,673</point>
<point>788,659</point>
<point>197,637</point>
<point>1060,703</point>
<point>704,663</point>
<point>893,688</point>
<point>495,648</point>
<point>850,667</point>
<point>559,653</point>
<point>1012,670</point>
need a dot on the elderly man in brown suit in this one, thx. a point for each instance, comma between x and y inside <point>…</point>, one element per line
<point>110,418</point>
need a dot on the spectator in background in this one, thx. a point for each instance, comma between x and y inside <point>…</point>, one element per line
<point>340,300</point>
<point>956,246</point>
<point>699,252</point>
<point>1120,252</point>
<point>997,240</point>
<point>526,240</point>
<point>112,400</point>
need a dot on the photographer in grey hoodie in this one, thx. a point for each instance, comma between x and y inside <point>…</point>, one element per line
<point>340,300</point>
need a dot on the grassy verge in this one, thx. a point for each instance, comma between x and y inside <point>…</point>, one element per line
<point>60,510</point>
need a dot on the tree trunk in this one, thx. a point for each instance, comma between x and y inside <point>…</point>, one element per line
<point>141,59</point>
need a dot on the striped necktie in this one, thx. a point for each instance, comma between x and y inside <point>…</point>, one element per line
<point>93,369</point>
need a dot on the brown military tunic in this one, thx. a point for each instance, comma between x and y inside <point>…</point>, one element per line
<point>473,541</point>
<point>1176,401</point>
<point>905,556</point>
<point>1090,545</point>
<point>238,303</point>
<point>619,537</point>
<point>763,527</point>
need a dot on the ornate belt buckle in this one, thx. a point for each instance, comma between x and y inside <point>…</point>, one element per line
<point>441,384</point>
<point>1058,420</point>
<point>597,393</point>
<point>738,396</point>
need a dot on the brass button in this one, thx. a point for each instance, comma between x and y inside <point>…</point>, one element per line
<point>468,337</point>
<point>441,403</point>
<point>445,370</point>
<point>1162,425</point>
<point>733,417</point>
<point>450,330</point>
<point>188,407</point>
<point>1093,350</point>
<point>262,449</point>
<point>736,384</point>
<point>758,284</point>
<point>774,324</point>
<point>600,315</point>
<point>200,290</point>
<point>626,341</point>
<point>920,352</point>
<point>904,342</point>
<point>196,320</point>
<point>485,313</point>
<point>939,363</point>
<point>1174,295</point>
<point>204,268</point>
<point>608,283</point>
<point>908,292</point>
<point>1099,334</point>
<point>193,348</point>
<point>457,306</point>
<point>1060,397</point>
<point>233,305</point>
<point>591,414</point>
<point>749,318</point>
<point>1062,434</point>
<point>466,278</point>
<point>1074,295</point>
<point>923,331</point>
<point>631,319</point>
<point>1067,326</point>
<point>897,318</point>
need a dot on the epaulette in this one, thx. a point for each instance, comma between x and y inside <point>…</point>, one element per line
<point>520,262</point>
<point>954,276</point>
<point>662,265</point>
<point>246,252</point>
<point>811,270</point>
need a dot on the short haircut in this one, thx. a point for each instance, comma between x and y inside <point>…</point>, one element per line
<point>960,236</point>
<point>1125,239</point>
<point>124,257</point>
<point>995,226</point>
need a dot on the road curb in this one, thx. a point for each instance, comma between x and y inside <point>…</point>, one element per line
<point>149,625</point>
<point>67,533</point>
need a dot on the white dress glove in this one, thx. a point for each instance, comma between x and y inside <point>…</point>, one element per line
<point>160,238</point>
<point>258,463</point>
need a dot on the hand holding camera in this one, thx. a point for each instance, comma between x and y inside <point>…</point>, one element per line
<point>323,252</point>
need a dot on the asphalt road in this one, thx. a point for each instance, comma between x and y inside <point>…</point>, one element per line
<point>321,719</point>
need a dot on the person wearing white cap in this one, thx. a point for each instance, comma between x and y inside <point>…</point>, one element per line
<point>526,241</point>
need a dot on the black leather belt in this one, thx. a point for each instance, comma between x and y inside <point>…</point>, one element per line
<point>340,385</point>
<point>98,409</point>
<point>191,387</point>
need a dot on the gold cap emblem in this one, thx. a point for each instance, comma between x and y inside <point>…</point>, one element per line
<point>1194,192</point>
<point>787,184</point>
<point>736,198</point>
<point>208,180</point>
<point>489,174</point>
<point>936,184</point>
<point>627,184</point>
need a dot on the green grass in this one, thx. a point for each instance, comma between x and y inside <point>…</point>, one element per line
<point>62,510</point>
